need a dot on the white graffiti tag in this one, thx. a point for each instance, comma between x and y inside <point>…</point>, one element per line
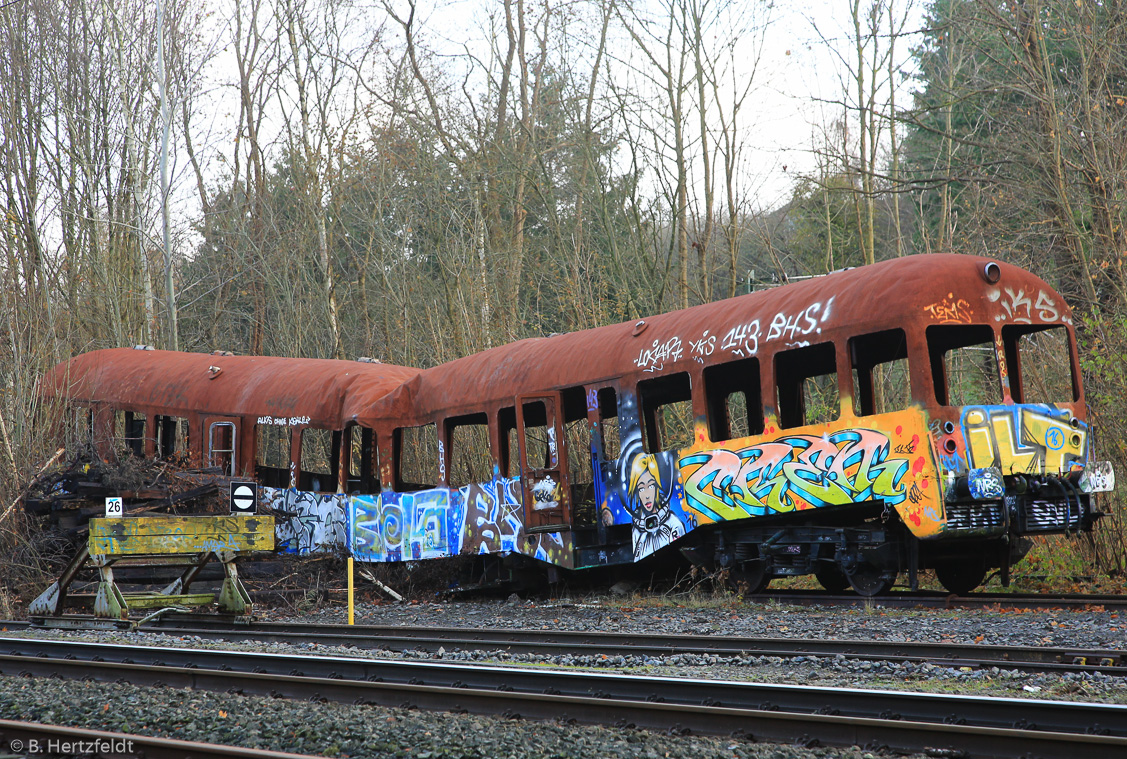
<point>653,359</point>
<point>801,324</point>
<point>742,340</point>
<point>703,347</point>
<point>1020,308</point>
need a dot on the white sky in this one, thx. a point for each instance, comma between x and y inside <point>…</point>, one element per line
<point>799,79</point>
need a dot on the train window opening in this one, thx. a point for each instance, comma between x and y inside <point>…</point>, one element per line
<point>318,471</point>
<point>470,460</point>
<point>134,433</point>
<point>964,368</point>
<point>221,439</point>
<point>539,436</point>
<point>732,393</point>
<point>881,381</point>
<point>80,433</point>
<point>806,384</point>
<point>510,446</point>
<point>577,430</point>
<point>1040,363</point>
<point>416,457</point>
<point>666,412</point>
<point>608,423</point>
<point>363,464</point>
<point>170,441</point>
<point>272,455</point>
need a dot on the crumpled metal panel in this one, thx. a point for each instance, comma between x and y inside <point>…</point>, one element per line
<point>311,390</point>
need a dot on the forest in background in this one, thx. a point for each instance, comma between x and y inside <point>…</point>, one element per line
<point>378,186</point>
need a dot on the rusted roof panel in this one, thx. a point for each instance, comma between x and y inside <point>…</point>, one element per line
<point>910,292</point>
<point>179,383</point>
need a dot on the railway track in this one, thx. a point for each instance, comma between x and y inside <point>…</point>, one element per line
<point>931,599</point>
<point>974,726</point>
<point>56,740</point>
<point>1051,659</point>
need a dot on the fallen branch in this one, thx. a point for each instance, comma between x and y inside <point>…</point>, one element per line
<point>34,480</point>
<point>368,576</point>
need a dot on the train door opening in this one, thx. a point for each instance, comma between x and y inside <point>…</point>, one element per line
<point>222,444</point>
<point>544,475</point>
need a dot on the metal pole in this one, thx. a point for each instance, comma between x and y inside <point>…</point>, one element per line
<point>351,606</point>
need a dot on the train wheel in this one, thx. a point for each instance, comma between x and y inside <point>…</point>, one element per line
<point>749,576</point>
<point>869,580</point>
<point>961,578</point>
<point>832,578</point>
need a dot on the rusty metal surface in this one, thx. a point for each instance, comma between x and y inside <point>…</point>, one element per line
<point>183,383</point>
<point>912,292</point>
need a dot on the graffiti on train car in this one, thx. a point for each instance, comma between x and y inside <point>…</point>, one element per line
<point>306,522</point>
<point>643,489</point>
<point>493,516</point>
<point>404,526</point>
<point>1025,438</point>
<point>951,310</point>
<point>795,473</point>
<point>665,495</point>
<point>742,340</point>
<point>427,524</point>
<point>1021,307</point>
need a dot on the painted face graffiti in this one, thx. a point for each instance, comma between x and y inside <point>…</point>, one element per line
<point>646,492</point>
<point>655,524</point>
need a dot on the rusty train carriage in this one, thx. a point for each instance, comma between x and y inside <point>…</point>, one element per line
<point>921,412</point>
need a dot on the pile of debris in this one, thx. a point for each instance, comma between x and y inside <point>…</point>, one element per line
<point>65,499</point>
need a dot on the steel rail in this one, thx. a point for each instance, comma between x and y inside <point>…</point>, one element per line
<point>1061,716</point>
<point>865,718</point>
<point>561,642</point>
<point>77,741</point>
<point>940,600</point>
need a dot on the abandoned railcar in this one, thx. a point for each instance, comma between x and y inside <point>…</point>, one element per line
<point>280,421</point>
<point>925,412</point>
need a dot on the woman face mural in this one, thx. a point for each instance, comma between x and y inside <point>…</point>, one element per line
<point>645,492</point>
<point>655,524</point>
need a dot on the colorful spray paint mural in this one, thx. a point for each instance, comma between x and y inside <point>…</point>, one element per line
<point>641,489</point>
<point>306,522</point>
<point>1024,439</point>
<point>795,473</point>
<point>427,524</point>
<point>652,488</point>
<point>800,472</point>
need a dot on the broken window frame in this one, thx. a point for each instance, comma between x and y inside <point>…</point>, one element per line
<point>660,398</point>
<point>794,368</point>
<point>724,380</point>
<point>1012,338</point>
<point>942,339</point>
<point>421,453</point>
<point>470,451</point>
<point>867,354</point>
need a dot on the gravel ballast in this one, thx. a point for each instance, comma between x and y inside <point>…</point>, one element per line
<point>354,731</point>
<point>343,730</point>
